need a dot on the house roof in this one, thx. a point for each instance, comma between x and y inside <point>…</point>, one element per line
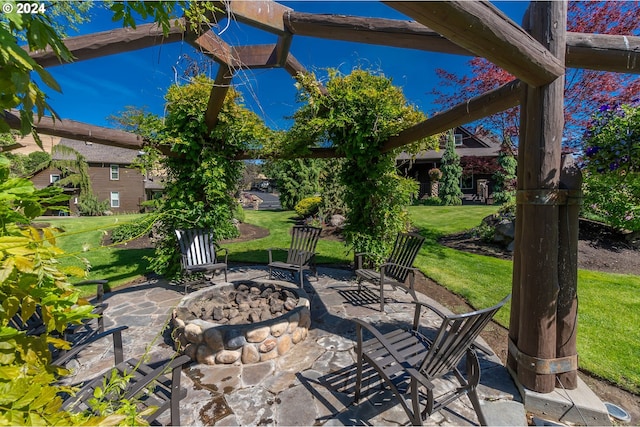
<point>462,152</point>
<point>487,146</point>
<point>98,153</point>
<point>154,183</point>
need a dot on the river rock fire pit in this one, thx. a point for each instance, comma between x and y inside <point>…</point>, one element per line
<point>246,322</point>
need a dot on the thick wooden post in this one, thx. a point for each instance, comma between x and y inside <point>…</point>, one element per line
<point>514,320</point>
<point>540,145</point>
<point>569,212</point>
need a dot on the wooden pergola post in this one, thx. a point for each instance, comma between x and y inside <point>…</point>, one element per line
<point>535,288</point>
<point>568,215</point>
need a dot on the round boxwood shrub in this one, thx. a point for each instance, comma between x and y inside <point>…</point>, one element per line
<point>308,206</point>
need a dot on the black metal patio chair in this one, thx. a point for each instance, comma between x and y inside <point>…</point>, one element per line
<point>78,335</point>
<point>300,255</point>
<point>156,385</point>
<point>395,270</point>
<point>409,362</point>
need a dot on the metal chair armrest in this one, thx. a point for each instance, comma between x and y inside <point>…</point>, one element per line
<point>411,271</point>
<point>169,365</point>
<point>359,257</point>
<point>419,305</point>
<point>99,288</point>
<point>477,346</point>
<point>117,346</point>
<point>270,250</point>
<point>225,251</point>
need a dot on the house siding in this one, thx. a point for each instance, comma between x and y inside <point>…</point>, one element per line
<point>130,186</point>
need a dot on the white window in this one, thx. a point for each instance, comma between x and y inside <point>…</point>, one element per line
<point>115,172</point>
<point>54,177</point>
<point>115,199</point>
<point>457,138</point>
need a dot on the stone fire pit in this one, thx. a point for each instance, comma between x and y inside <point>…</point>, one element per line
<point>245,322</point>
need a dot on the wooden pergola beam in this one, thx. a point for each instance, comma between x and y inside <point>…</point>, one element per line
<point>210,44</point>
<point>256,56</point>
<point>7,148</point>
<point>592,51</point>
<point>603,52</point>
<point>80,131</point>
<point>378,31</point>
<point>481,28</point>
<point>484,105</point>
<point>264,14</point>
<point>111,42</point>
<point>293,66</point>
<point>218,93</point>
<point>282,49</point>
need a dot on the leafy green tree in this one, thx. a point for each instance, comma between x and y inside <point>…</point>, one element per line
<point>449,188</point>
<point>357,115</point>
<point>202,180</point>
<point>73,167</point>
<point>296,179</point>
<point>30,277</point>
<point>506,176</point>
<point>27,165</point>
<point>612,166</point>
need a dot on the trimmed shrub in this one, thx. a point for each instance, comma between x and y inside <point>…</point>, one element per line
<point>430,201</point>
<point>132,230</point>
<point>435,174</point>
<point>308,207</point>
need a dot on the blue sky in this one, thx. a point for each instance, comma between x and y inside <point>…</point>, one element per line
<point>94,89</point>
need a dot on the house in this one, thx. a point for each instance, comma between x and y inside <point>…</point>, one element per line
<point>478,153</point>
<point>111,174</point>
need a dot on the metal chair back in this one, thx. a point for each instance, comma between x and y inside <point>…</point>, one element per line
<point>304,239</point>
<point>404,253</point>
<point>455,336</point>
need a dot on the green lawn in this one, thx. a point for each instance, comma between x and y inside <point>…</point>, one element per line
<point>278,223</point>
<point>82,242</point>
<point>609,304</point>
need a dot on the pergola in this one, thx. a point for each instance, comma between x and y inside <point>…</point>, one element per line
<point>542,332</point>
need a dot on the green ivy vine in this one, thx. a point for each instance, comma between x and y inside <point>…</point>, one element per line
<point>357,114</point>
<point>201,190</point>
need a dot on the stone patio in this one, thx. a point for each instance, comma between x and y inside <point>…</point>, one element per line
<point>312,384</point>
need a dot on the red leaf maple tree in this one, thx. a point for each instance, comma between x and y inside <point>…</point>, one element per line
<point>585,90</point>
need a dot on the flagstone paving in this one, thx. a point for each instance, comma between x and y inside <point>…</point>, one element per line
<point>310,385</point>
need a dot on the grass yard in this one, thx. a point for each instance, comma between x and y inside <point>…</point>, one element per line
<point>279,223</point>
<point>608,347</point>
<point>82,242</point>
<point>609,304</point>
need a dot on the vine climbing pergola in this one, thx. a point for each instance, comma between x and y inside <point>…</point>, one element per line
<point>542,331</point>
